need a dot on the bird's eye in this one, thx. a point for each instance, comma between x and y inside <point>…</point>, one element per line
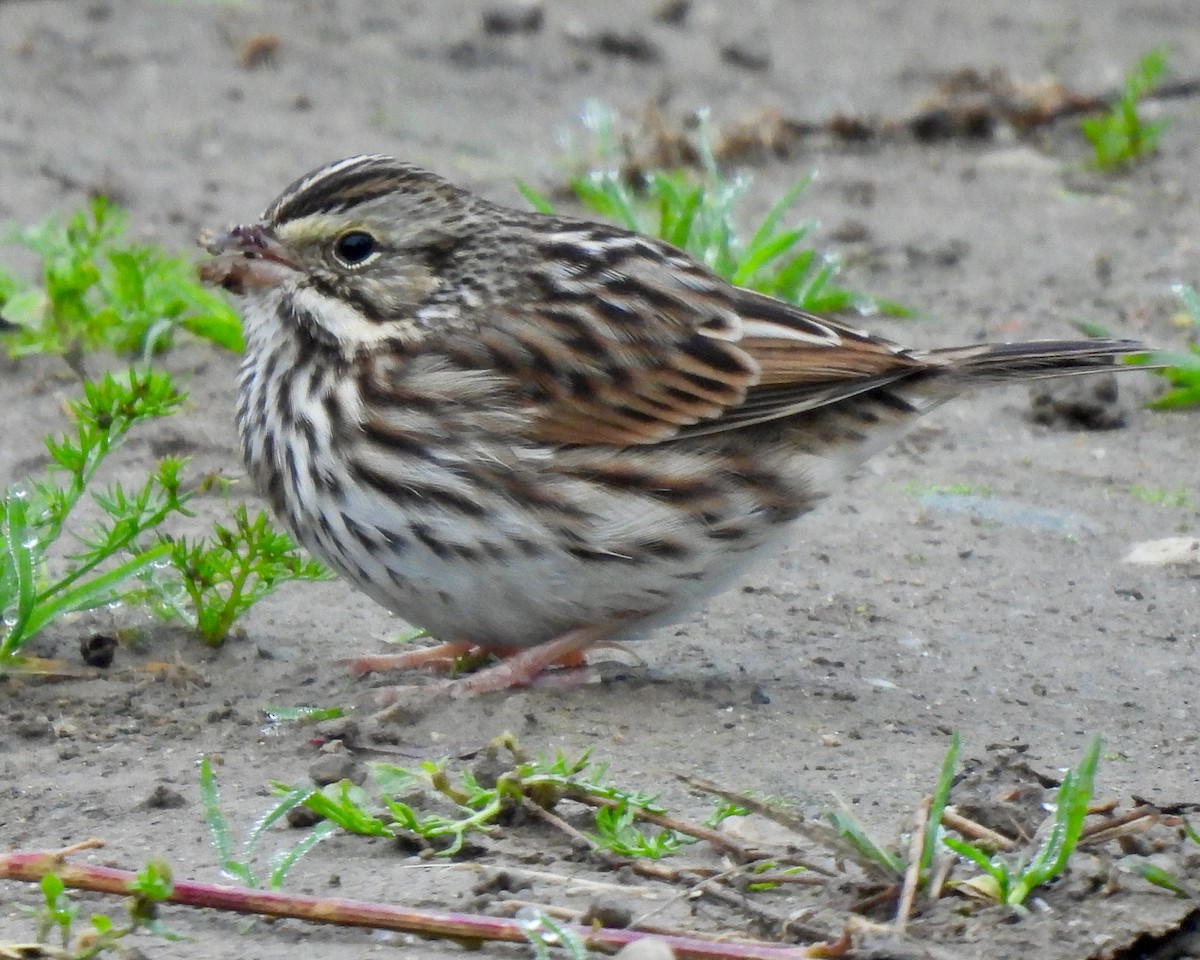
<point>354,248</point>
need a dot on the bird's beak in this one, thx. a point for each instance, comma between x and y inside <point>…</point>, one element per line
<point>245,258</point>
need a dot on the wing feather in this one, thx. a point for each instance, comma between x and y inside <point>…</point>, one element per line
<point>638,343</point>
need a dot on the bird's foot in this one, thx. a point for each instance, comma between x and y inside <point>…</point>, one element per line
<point>518,667</point>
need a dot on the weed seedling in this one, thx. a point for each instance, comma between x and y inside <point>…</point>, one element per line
<point>1180,368</point>
<point>937,806</point>
<point>99,292</point>
<point>34,516</point>
<point>543,934</point>
<point>1011,882</point>
<point>1121,136</point>
<point>220,578</point>
<point>240,865</point>
<point>102,935</point>
<point>400,807</point>
<point>223,576</point>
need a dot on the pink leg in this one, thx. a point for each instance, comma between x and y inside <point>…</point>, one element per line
<point>443,656</point>
<point>522,668</point>
<point>519,667</point>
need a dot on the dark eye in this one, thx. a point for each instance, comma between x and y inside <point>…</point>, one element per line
<point>354,248</point>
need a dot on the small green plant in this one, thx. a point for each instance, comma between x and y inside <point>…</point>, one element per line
<point>34,516</point>
<point>617,830</point>
<point>98,291</point>
<point>1180,368</point>
<point>221,577</point>
<point>58,912</point>
<point>544,933</point>
<point>1180,497</point>
<point>240,865</point>
<point>475,807</point>
<point>1121,137</point>
<point>1012,881</point>
<point>869,852</point>
<point>937,807</point>
<point>700,216</point>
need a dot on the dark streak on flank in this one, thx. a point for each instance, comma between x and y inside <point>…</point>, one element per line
<point>422,498</point>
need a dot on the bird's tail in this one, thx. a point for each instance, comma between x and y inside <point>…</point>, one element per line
<point>1034,359</point>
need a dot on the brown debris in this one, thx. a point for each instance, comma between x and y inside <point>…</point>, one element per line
<point>260,50</point>
<point>968,104</point>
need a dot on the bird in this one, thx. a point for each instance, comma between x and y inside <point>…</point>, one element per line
<point>534,435</point>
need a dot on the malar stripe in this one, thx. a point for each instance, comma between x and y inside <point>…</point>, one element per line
<point>663,549</point>
<point>352,295</point>
<point>310,338</point>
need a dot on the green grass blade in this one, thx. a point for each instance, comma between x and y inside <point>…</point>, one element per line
<point>20,570</point>
<point>1070,811</point>
<point>294,798</point>
<point>1162,878</point>
<point>538,201</point>
<point>281,865</point>
<point>763,253</point>
<point>941,795</point>
<point>853,833</point>
<point>218,827</point>
<point>786,284</point>
<point>92,593</point>
<point>779,208</point>
<point>994,867</point>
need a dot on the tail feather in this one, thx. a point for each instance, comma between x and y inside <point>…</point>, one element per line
<point>1033,359</point>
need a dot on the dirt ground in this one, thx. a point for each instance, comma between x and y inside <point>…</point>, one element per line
<point>839,669</point>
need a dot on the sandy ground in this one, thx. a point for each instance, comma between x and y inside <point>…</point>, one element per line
<point>839,668</point>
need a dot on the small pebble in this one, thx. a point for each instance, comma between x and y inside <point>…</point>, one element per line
<point>331,768</point>
<point>344,729</point>
<point>300,818</point>
<point>517,16</point>
<point>163,798</point>
<point>608,912</point>
<point>747,53</point>
<point>98,650</point>
<point>629,45</point>
<point>647,949</point>
<point>674,12</point>
<point>1168,551</point>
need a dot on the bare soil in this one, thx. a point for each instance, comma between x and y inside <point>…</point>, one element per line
<point>895,615</point>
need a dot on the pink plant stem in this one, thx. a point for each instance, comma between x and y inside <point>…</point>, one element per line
<point>465,928</point>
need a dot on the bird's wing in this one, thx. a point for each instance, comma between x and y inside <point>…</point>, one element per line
<point>622,340</point>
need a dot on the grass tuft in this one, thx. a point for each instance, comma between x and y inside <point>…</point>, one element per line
<point>98,291</point>
<point>1121,137</point>
<point>700,214</point>
<point>1010,881</point>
